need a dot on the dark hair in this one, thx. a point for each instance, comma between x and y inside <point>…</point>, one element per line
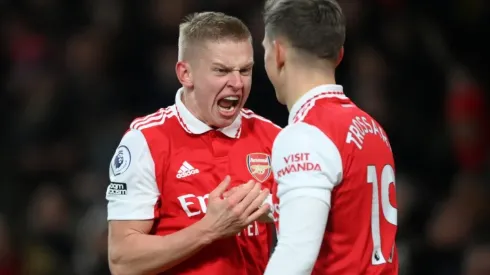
<point>316,27</point>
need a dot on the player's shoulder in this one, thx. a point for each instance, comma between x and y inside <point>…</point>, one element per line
<point>300,133</point>
<point>154,120</point>
<point>254,121</point>
<point>154,128</point>
<point>330,117</point>
<point>325,110</point>
<point>302,138</point>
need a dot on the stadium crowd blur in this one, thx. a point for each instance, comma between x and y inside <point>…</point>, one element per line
<point>73,74</point>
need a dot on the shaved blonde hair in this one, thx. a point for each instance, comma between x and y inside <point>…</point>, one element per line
<point>201,27</point>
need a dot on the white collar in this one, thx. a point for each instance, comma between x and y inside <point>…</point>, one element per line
<point>193,125</point>
<point>309,98</point>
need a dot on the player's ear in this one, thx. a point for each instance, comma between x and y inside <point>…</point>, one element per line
<point>340,57</point>
<point>279,53</point>
<point>183,72</point>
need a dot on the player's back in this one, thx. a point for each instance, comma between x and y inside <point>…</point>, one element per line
<point>361,228</point>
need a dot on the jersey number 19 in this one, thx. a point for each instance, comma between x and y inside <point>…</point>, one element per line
<point>389,212</point>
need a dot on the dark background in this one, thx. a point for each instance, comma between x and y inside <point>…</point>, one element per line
<point>73,74</point>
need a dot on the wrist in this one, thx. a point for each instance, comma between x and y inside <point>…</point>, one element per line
<point>205,231</point>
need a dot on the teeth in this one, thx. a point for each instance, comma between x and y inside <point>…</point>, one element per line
<point>232,97</point>
<point>228,109</point>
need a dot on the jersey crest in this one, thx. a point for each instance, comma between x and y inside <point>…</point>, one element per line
<point>259,166</point>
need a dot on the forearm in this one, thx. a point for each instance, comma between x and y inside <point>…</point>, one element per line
<point>301,232</point>
<point>150,254</point>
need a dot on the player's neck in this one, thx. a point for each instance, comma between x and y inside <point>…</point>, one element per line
<point>191,104</point>
<point>299,82</point>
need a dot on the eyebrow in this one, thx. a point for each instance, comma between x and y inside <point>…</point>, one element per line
<point>248,65</point>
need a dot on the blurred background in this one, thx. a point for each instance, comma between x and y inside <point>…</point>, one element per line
<point>73,74</point>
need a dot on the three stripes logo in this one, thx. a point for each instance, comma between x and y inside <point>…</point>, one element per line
<point>186,170</point>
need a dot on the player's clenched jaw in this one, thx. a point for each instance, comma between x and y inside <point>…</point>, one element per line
<point>220,78</point>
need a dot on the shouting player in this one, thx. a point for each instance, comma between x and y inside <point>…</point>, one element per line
<point>167,211</point>
<point>333,162</point>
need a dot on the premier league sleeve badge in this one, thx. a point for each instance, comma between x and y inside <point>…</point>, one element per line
<point>121,161</point>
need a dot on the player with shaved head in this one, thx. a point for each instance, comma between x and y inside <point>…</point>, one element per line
<point>168,212</point>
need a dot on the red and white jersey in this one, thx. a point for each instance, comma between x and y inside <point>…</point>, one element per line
<point>167,164</point>
<point>336,190</point>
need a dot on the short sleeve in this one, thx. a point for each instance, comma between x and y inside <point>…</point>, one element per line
<point>306,163</point>
<point>133,191</point>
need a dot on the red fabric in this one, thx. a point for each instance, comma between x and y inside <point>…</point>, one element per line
<point>348,243</point>
<point>183,200</point>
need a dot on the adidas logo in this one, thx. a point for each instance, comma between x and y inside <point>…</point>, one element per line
<point>186,170</point>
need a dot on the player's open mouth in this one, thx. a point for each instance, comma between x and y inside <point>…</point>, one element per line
<point>228,105</point>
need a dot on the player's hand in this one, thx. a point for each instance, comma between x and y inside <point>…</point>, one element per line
<point>228,215</point>
<point>265,218</point>
<point>230,192</point>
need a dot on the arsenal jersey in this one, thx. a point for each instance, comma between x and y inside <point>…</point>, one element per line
<point>336,161</point>
<point>167,164</point>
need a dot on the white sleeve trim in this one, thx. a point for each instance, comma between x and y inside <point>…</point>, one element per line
<point>307,166</point>
<point>133,191</point>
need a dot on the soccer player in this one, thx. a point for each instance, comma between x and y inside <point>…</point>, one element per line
<point>333,162</point>
<point>167,211</point>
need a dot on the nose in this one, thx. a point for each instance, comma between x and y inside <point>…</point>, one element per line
<point>236,80</point>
